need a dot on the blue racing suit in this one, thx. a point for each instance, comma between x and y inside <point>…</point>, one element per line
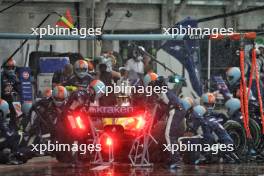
<point>10,90</point>
<point>14,142</point>
<point>40,125</point>
<point>9,138</point>
<point>206,131</point>
<point>176,115</point>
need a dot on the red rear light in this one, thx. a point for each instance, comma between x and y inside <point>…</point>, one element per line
<point>71,121</point>
<point>76,122</point>
<point>135,123</point>
<point>109,141</point>
<point>79,123</point>
<point>140,122</point>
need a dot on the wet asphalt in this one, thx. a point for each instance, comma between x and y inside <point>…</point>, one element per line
<point>46,166</point>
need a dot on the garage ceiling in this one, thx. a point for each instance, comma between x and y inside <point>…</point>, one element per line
<point>190,2</point>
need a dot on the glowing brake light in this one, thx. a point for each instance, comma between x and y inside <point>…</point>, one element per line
<point>79,123</point>
<point>72,121</point>
<point>140,122</point>
<point>76,122</point>
<point>109,141</point>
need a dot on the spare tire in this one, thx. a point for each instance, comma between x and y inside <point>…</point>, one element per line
<point>238,134</point>
<point>255,131</point>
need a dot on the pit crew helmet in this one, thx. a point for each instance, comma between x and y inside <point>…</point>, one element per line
<point>187,103</point>
<point>208,100</point>
<point>59,95</point>
<point>47,92</point>
<point>97,88</point>
<point>233,75</point>
<point>150,78</point>
<point>261,49</point>
<point>232,105</point>
<point>81,68</point>
<point>25,107</point>
<point>4,107</point>
<point>10,67</point>
<point>199,111</point>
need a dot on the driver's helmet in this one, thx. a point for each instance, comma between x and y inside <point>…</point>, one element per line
<point>199,110</point>
<point>10,67</point>
<point>208,100</point>
<point>150,77</point>
<point>233,75</point>
<point>81,68</point>
<point>59,95</point>
<point>4,107</point>
<point>232,105</point>
<point>97,88</point>
<point>187,103</point>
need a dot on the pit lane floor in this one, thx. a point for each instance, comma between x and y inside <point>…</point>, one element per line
<point>47,166</point>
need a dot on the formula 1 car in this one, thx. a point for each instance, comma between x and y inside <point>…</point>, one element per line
<point>105,130</point>
<point>128,127</point>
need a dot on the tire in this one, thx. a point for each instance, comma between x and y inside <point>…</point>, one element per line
<point>38,127</point>
<point>255,131</point>
<point>64,157</point>
<point>61,137</point>
<point>238,134</point>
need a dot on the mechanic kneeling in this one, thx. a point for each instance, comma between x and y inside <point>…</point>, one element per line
<point>44,115</point>
<point>207,132</point>
<point>13,148</point>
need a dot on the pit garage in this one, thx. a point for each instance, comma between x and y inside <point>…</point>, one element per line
<point>150,87</point>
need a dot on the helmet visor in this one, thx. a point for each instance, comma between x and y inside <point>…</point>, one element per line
<point>81,70</point>
<point>59,99</point>
<point>230,78</point>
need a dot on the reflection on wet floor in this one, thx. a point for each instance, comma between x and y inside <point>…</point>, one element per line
<point>49,167</point>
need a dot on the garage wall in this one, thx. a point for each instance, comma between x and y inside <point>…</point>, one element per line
<point>144,17</point>
<point>251,20</point>
<point>21,18</point>
<point>198,12</point>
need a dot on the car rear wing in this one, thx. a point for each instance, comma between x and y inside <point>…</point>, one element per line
<point>114,111</point>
